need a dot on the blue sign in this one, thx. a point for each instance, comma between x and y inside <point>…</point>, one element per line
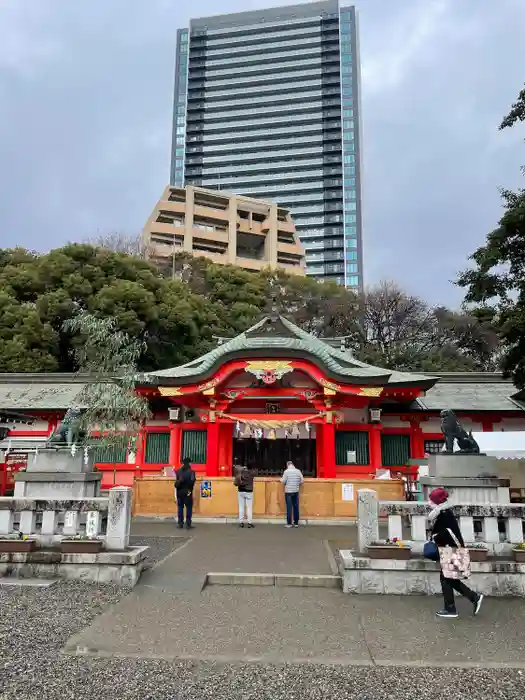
<point>205,489</point>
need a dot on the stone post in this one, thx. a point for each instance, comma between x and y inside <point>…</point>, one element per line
<point>367,518</point>
<point>119,518</point>
<point>6,522</point>
<point>27,522</point>
<point>93,523</point>
<point>49,522</point>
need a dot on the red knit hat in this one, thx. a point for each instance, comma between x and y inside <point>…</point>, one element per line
<point>439,496</point>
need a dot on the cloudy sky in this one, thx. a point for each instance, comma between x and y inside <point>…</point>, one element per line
<point>85,123</point>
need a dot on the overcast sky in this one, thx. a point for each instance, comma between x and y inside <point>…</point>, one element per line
<point>86,107</point>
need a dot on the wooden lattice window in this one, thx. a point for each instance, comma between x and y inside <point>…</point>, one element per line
<point>395,450</point>
<point>157,448</point>
<point>347,441</point>
<point>194,444</point>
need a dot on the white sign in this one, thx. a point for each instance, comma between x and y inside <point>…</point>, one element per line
<point>347,492</point>
<point>351,457</point>
<point>92,523</point>
<point>70,519</point>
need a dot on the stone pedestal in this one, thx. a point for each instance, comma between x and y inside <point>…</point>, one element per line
<point>456,465</point>
<point>54,473</point>
<point>467,478</point>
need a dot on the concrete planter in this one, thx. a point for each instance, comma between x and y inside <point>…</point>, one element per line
<point>17,545</point>
<point>80,546</point>
<point>388,551</point>
<point>519,555</point>
<point>478,554</point>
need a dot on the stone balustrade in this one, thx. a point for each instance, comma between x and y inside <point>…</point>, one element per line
<point>499,526</point>
<point>49,521</point>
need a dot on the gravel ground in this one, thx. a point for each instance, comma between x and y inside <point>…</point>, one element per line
<point>36,623</point>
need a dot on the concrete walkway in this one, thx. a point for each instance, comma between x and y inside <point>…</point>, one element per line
<point>296,625</point>
<point>170,616</point>
<point>265,548</point>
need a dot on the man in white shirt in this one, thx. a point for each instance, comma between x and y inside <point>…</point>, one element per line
<point>292,480</point>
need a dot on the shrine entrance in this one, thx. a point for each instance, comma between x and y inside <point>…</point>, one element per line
<point>269,457</point>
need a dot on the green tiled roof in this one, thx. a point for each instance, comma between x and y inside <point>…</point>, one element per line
<point>38,394</point>
<point>471,393</point>
<point>459,392</point>
<point>280,336</point>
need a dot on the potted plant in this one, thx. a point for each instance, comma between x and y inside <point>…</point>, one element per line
<point>17,543</point>
<point>389,549</point>
<point>478,551</point>
<point>519,553</point>
<point>80,544</point>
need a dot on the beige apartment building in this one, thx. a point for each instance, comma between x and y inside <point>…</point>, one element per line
<point>226,228</point>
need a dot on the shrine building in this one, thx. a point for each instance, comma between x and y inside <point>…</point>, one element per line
<point>273,393</point>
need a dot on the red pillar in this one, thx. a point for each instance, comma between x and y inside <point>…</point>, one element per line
<point>140,450</point>
<point>212,450</point>
<point>52,423</point>
<point>328,446</point>
<point>417,440</point>
<point>376,459</point>
<point>225,448</point>
<point>175,444</point>
<point>487,425</point>
<point>319,450</point>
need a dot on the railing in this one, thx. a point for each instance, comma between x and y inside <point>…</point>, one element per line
<point>499,526</point>
<point>49,521</point>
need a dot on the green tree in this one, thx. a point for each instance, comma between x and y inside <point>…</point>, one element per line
<point>109,359</point>
<point>497,282</point>
<point>27,344</point>
<point>60,284</point>
<point>178,310</point>
<point>401,331</point>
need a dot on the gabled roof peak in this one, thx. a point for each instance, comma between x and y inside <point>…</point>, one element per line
<point>274,335</point>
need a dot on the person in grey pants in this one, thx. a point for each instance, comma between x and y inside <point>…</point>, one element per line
<point>292,480</point>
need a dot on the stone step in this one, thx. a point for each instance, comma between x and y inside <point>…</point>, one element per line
<point>283,580</point>
<point>28,582</point>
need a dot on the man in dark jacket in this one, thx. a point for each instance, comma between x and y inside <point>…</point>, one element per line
<point>243,479</point>
<point>444,522</point>
<point>184,483</point>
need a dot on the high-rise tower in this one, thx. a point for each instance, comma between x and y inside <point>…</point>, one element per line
<point>267,105</point>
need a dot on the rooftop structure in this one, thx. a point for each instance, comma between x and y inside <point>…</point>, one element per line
<point>226,228</point>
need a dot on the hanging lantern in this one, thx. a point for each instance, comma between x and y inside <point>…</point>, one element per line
<point>271,434</point>
<point>307,426</point>
<point>296,432</point>
<point>237,429</point>
<point>247,431</point>
<point>258,433</point>
<point>286,433</point>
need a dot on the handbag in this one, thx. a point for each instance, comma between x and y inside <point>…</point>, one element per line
<point>430,551</point>
<point>455,561</point>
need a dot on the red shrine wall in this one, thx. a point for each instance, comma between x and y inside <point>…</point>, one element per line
<point>160,437</point>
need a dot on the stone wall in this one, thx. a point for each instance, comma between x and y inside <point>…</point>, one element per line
<point>119,568</point>
<point>421,577</point>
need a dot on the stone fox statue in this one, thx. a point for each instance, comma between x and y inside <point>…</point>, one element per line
<point>452,430</point>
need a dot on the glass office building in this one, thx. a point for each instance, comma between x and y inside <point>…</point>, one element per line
<point>267,105</point>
